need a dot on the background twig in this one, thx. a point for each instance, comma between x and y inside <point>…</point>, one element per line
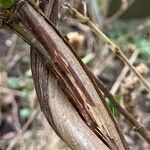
<point>115,49</point>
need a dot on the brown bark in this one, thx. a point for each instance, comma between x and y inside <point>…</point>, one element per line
<point>55,104</point>
<point>60,113</point>
<point>71,73</point>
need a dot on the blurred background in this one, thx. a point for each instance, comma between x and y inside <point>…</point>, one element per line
<point>127,23</point>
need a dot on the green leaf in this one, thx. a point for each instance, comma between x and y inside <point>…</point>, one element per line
<point>113,109</point>
<point>6,3</point>
<point>86,59</point>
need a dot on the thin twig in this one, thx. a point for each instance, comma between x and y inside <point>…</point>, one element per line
<point>13,61</point>
<point>15,116</point>
<point>123,74</point>
<point>115,49</point>
<point>24,128</point>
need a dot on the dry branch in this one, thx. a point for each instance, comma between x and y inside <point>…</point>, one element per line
<point>60,113</point>
<point>55,104</point>
<point>72,74</point>
<point>50,101</point>
<point>123,73</point>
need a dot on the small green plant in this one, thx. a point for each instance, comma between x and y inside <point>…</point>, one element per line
<point>113,109</point>
<point>6,3</point>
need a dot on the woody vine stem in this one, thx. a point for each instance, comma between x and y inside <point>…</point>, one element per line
<point>5,15</point>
